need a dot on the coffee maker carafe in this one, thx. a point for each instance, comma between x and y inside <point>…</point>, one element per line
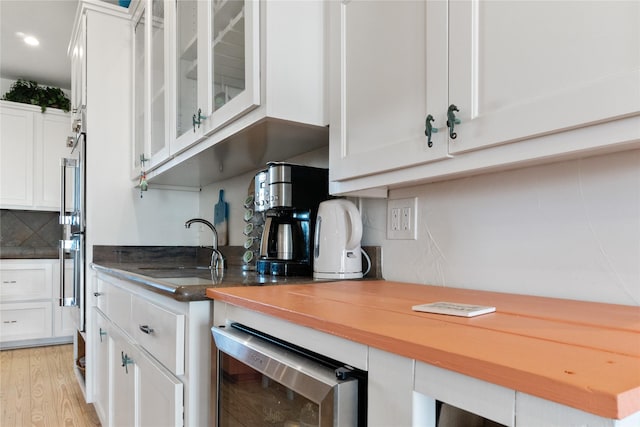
<point>294,194</point>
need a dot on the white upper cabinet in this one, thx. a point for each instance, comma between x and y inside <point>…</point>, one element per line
<point>216,65</point>
<point>242,76</point>
<point>150,36</point>
<point>52,129</point>
<point>186,73</point>
<point>16,139</point>
<point>525,81</point>
<point>522,69</point>
<point>31,146</point>
<point>77,51</point>
<point>388,73</point>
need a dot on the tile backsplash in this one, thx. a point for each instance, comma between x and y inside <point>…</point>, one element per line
<point>29,234</point>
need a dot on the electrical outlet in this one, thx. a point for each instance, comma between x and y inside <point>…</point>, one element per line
<point>402,219</point>
<point>395,219</point>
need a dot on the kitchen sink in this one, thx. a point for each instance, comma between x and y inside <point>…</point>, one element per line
<point>176,272</point>
<point>188,281</point>
<point>177,267</point>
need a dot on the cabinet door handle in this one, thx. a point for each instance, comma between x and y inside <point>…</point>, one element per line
<point>452,120</point>
<point>429,130</point>
<point>102,333</point>
<point>126,360</point>
<point>197,119</point>
<point>97,294</point>
<point>146,329</point>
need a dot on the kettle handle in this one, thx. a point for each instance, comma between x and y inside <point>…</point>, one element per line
<point>356,225</point>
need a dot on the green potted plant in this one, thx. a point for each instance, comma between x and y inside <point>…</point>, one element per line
<point>29,92</point>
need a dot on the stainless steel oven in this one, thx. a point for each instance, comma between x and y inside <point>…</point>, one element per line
<point>263,381</point>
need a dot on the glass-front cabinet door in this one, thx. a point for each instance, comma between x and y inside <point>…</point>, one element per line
<point>158,141</point>
<point>79,70</point>
<point>151,140</point>
<point>186,38</point>
<point>139,95</point>
<point>217,60</point>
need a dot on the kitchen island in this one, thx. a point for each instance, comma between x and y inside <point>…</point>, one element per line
<point>572,362</point>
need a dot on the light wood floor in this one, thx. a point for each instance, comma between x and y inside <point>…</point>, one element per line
<point>39,388</point>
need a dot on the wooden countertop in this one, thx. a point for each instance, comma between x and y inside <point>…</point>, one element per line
<point>580,354</point>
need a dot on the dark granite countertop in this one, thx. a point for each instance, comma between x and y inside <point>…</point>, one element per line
<point>182,272</point>
<point>190,282</point>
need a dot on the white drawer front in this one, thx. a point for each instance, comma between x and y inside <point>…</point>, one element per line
<point>160,332</point>
<point>115,303</point>
<point>28,282</point>
<point>21,321</point>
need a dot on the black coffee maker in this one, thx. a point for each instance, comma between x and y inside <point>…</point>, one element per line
<point>295,191</point>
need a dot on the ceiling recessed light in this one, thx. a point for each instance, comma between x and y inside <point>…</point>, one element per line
<point>31,41</point>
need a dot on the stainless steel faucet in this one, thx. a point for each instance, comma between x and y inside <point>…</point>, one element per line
<point>217,260</point>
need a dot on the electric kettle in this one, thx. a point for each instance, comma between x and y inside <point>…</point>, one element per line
<point>336,252</point>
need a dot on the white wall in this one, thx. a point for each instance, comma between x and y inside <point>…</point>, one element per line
<point>116,215</point>
<point>567,230</point>
<point>5,85</point>
<point>155,219</point>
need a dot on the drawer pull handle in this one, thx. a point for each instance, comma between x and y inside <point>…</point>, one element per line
<point>9,281</point>
<point>146,329</point>
<point>10,321</point>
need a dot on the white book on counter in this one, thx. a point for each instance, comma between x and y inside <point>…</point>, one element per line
<point>454,309</point>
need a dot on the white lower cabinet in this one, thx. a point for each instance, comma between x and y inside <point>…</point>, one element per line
<point>463,400</point>
<point>533,412</point>
<point>142,392</point>
<point>122,380</point>
<point>29,311</point>
<point>161,332</point>
<point>160,394</point>
<point>26,320</point>
<point>405,392</point>
<point>478,397</point>
<point>390,386</point>
<point>151,357</point>
<point>101,363</point>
